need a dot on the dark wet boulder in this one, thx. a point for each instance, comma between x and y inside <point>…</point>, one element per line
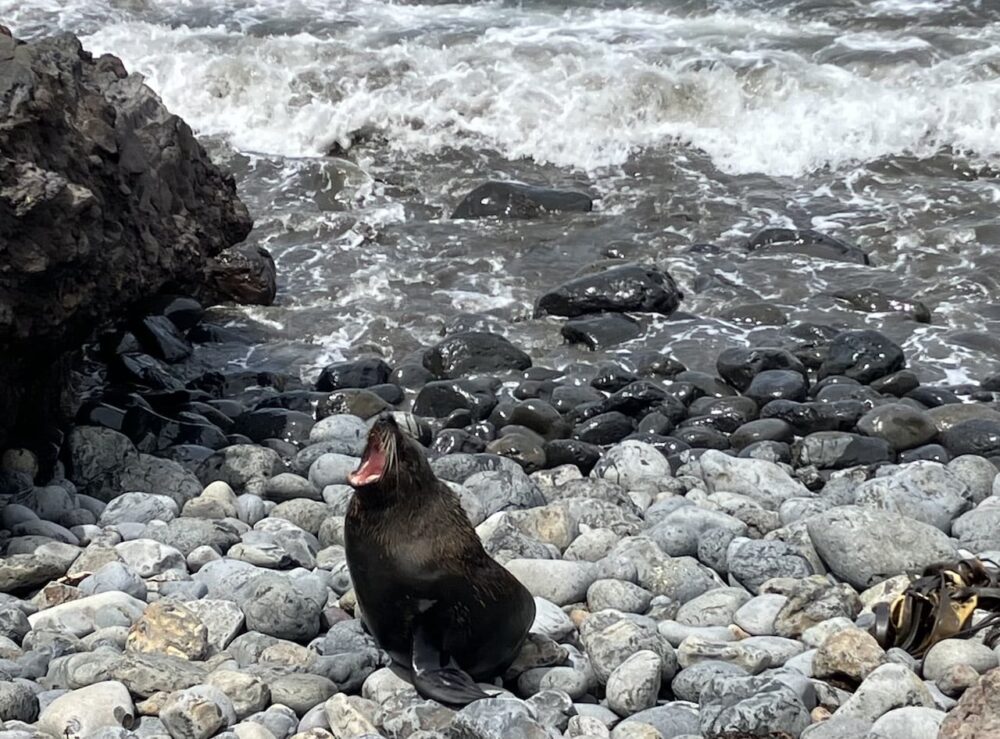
<point>756,314</point>
<point>806,418</point>
<point>738,366</point>
<point>358,373</point>
<point>933,397</point>
<point>601,331</point>
<point>105,198</point>
<point>837,450</point>
<point>572,451</point>
<point>142,370</point>
<point>978,436</point>
<point>161,338</point>
<point>517,200</point>
<point>604,429</point>
<point>806,242</point>
<point>457,441</point>
<point>898,383</point>
<point>184,312</point>
<point>276,423</point>
<point>863,356</point>
<point>612,377</point>
<point>474,353</point>
<point>903,426</point>
<point>870,300</point>
<point>245,274</point>
<point>777,384</point>
<point>702,437</point>
<point>629,288</point>
<point>763,429</point>
<point>705,384</point>
<point>440,398</point>
<point>565,398</point>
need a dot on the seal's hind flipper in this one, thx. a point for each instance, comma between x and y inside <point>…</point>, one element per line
<point>435,674</point>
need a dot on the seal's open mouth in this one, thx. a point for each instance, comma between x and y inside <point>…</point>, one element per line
<point>378,452</point>
<point>372,466</point>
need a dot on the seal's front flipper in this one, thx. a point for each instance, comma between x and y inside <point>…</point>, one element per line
<point>435,674</point>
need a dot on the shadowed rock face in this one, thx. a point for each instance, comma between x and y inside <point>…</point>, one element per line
<point>105,198</point>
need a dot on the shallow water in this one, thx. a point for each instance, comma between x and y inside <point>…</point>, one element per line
<point>693,122</point>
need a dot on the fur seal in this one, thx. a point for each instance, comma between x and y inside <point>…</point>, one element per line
<point>429,593</point>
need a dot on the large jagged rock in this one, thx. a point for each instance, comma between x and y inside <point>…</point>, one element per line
<point>105,198</point>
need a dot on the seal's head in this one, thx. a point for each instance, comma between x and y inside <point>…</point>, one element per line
<point>392,460</point>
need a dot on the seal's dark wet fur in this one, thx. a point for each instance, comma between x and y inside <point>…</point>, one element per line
<point>423,581</point>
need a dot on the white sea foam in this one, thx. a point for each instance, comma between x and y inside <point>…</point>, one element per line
<point>583,88</point>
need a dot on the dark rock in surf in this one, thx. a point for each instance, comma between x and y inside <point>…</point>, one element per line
<point>897,384</point>
<point>903,426</point>
<point>142,370</point>
<point>439,399</point>
<point>738,366</point>
<point>184,312</point>
<point>474,353</point>
<point>863,356</point>
<point>107,198</point>
<point>276,423</point>
<point>978,436</point>
<point>163,339</point>
<point>601,331</point>
<point>359,373</point>
<point>245,274</point>
<point>572,451</point>
<point>836,450</point>
<point>629,288</point>
<point>606,428</point>
<point>516,200</point>
<point>805,418</point>
<point>777,385</point>
<point>870,300</point>
<point>807,242</point>
<point>756,314</point>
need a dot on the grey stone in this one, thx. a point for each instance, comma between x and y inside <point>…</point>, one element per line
<point>84,711</point>
<point>634,685</point>
<point>679,532</point>
<point>347,429</point>
<point>46,562</point>
<point>689,682</point>
<point>114,576</point>
<point>903,426</point>
<point>765,482</point>
<point>911,722</point>
<point>498,718</point>
<point>888,687</point>
<point>754,562</point>
<point>147,674</point>
<point>757,616</point>
<point>138,508</point>
<point>149,558</point>
<point>222,618</point>
<point>591,545</point>
<point>308,515</point>
<point>98,459</point>
<point>838,728</point>
<point>619,595</point>
<point>812,601</point>
<point>634,465</point>
<point>247,693</point>
<point>753,654</point>
<point>250,508</point>
<point>979,529</point>
<point>85,615</point>
<point>289,486</point>
<point>245,467</point>
<point>279,720</point>
<point>197,713</point>
<point>611,638</point>
<point>160,476</point>
<point>280,607</point>
<point>978,474</point>
<point>17,702</point>
<point>570,680</point>
<point>713,608</point>
<point>187,534</point>
<point>751,705</point>
<point>924,491</point>
<point>950,652</point>
<point>672,720</point>
<point>503,489</point>
<point>555,580</point>
<point>551,620</point>
<point>863,546</point>
<point>301,692</point>
<point>332,469</point>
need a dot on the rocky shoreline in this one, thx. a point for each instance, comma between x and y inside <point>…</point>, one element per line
<point>706,546</point>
